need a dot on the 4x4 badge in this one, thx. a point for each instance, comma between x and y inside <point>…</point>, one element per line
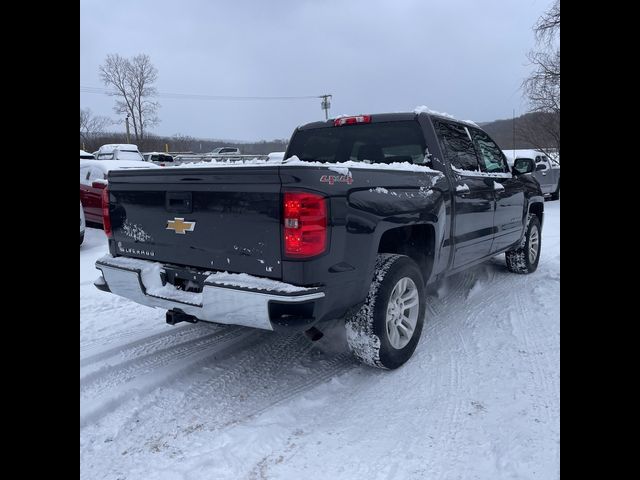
<point>333,179</point>
<point>178,225</point>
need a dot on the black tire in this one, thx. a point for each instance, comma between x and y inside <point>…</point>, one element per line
<point>81,238</point>
<point>367,333</point>
<point>518,260</point>
<point>556,195</point>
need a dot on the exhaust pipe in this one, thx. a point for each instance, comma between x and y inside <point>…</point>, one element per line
<point>174,317</point>
<point>314,334</point>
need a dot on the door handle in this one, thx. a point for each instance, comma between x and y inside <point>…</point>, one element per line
<point>462,189</point>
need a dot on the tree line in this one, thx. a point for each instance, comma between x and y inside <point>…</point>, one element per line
<point>179,143</point>
<point>537,130</point>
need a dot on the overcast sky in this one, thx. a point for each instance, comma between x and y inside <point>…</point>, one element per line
<point>464,57</point>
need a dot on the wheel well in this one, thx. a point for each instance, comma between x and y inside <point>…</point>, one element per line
<point>415,241</point>
<point>538,210</point>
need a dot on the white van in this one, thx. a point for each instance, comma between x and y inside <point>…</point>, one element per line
<point>119,151</point>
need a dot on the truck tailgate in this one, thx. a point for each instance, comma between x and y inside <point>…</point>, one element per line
<point>212,218</point>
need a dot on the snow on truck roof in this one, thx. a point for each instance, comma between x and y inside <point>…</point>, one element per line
<point>425,109</point>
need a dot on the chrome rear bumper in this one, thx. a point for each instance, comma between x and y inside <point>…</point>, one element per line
<point>225,298</point>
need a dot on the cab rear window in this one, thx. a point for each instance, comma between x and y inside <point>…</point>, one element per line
<point>384,142</point>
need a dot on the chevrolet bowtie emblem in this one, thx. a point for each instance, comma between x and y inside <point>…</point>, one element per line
<point>178,225</point>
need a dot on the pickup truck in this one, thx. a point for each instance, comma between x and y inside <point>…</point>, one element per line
<point>359,217</point>
<point>547,170</point>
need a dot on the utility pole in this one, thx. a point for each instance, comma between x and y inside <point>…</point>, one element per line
<point>128,136</point>
<point>514,133</point>
<point>325,105</point>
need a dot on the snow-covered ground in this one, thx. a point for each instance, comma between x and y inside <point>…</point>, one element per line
<point>478,400</point>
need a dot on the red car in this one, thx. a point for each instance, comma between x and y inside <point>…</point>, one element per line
<point>93,180</point>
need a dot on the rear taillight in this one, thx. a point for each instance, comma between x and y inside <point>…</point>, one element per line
<point>305,224</point>
<point>338,122</point>
<point>106,219</point>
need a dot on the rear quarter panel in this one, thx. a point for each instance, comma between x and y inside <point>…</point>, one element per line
<point>363,204</point>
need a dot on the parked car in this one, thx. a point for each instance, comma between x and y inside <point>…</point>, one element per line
<point>225,151</point>
<point>547,170</point>
<point>82,224</point>
<point>93,180</point>
<point>86,155</point>
<point>119,151</point>
<point>363,214</point>
<point>158,158</point>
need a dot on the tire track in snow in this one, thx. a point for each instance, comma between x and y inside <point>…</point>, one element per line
<point>442,334</point>
<point>458,315</point>
<point>111,376</point>
<point>243,385</point>
<point>142,344</point>
<point>539,360</point>
<point>108,390</point>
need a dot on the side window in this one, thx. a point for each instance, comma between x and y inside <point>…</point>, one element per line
<point>492,160</point>
<point>457,145</point>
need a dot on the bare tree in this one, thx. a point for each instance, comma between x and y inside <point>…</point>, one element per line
<point>541,130</point>
<point>132,81</point>
<point>542,87</point>
<point>91,125</point>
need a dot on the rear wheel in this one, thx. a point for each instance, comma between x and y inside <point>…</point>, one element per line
<point>525,258</point>
<point>385,331</point>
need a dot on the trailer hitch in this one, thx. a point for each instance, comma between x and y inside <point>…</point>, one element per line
<point>174,317</point>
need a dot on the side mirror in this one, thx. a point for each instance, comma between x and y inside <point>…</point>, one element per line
<point>522,166</point>
<point>99,183</point>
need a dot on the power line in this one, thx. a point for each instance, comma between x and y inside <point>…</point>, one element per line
<point>192,96</point>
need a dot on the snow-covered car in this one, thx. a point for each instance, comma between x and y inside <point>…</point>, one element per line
<point>93,180</point>
<point>119,151</point>
<point>225,151</point>
<point>82,224</point>
<point>86,155</point>
<point>158,158</point>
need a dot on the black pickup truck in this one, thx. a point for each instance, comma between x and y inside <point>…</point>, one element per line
<point>361,215</point>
